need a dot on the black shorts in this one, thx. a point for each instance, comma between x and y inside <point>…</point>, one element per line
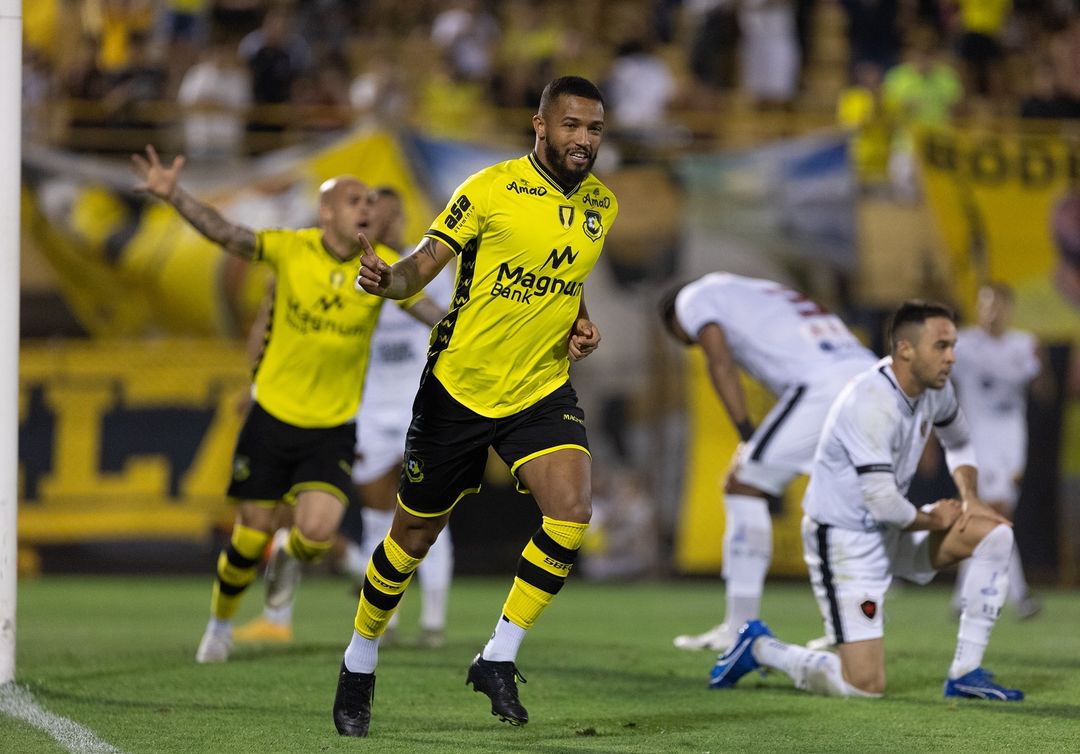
<point>275,460</point>
<point>446,449</point>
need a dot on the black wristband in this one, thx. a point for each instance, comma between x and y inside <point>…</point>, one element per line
<point>745,429</point>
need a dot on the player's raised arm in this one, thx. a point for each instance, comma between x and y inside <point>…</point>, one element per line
<point>164,182</point>
<point>406,277</point>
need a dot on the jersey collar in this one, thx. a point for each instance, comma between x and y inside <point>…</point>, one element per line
<point>548,176</point>
<point>332,253</point>
<point>887,372</point>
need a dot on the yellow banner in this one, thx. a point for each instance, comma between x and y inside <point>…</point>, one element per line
<point>126,440</point>
<point>711,444</point>
<point>1007,207</point>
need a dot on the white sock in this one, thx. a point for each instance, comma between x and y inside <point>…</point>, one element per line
<point>362,655</point>
<point>353,561</point>
<point>504,642</point>
<point>816,672</point>
<point>747,552</point>
<point>1018,587</point>
<point>958,587</point>
<point>376,525</point>
<point>983,596</point>
<point>435,572</point>
<point>280,615</point>
<point>221,626</point>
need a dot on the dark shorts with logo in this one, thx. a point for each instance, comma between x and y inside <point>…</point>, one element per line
<point>446,449</point>
<point>275,460</point>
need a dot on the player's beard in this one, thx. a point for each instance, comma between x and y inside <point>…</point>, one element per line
<point>567,175</point>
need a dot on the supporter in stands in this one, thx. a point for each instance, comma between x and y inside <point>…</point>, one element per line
<point>770,52</point>
<point>467,37</point>
<point>924,91</point>
<point>860,110</point>
<point>214,94</point>
<point>980,46</point>
<point>873,33</point>
<point>276,57</point>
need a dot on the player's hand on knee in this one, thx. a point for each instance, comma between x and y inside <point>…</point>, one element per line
<point>944,513</point>
<point>374,275</point>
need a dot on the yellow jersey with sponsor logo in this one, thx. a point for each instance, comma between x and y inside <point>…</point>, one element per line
<point>312,367</point>
<point>525,247</point>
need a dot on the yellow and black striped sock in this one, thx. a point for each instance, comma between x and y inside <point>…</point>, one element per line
<point>237,566</point>
<point>545,563</point>
<point>388,573</point>
<point>303,549</point>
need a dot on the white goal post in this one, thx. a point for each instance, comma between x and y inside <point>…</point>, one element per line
<point>10,161</point>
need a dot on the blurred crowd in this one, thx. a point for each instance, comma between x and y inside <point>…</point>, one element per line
<point>231,77</point>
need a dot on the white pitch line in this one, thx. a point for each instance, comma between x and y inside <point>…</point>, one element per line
<point>20,704</point>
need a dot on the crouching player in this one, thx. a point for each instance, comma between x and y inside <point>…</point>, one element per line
<point>859,529</point>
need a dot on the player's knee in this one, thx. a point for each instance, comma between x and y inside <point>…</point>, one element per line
<point>417,538</point>
<point>997,542</point>
<point>866,683</point>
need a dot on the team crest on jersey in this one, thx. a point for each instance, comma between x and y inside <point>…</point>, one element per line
<point>924,428</point>
<point>414,469</point>
<point>241,468</point>
<point>566,215</point>
<point>592,226</point>
<point>337,278</point>
<point>869,609</point>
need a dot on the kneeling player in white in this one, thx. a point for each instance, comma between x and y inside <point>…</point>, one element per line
<point>804,355</point>
<point>859,529</point>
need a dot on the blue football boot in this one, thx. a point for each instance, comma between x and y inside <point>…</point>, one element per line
<point>739,660</point>
<point>979,684</point>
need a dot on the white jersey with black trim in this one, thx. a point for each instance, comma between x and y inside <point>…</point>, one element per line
<point>873,426</point>
<point>399,347</point>
<point>992,376</point>
<point>777,334</point>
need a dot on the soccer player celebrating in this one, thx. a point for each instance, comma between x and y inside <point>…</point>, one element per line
<point>805,356</point>
<point>994,366</point>
<point>859,529</point>
<point>526,234</point>
<point>394,365</point>
<point>296,444</point>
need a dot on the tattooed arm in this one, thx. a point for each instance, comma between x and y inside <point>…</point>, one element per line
<point>408,275</point>
<point>163,182</point>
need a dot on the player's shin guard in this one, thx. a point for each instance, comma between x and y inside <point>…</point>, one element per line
<point>542,570</point>
<point>983,595</point>
<point>747,552</point>
<point>237,566</point>
<point>388,573</point>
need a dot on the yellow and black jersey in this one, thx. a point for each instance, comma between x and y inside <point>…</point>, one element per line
<point>525,247</point>
<point>311,371</point>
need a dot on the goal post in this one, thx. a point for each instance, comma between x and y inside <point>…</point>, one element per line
<point>10,161</point>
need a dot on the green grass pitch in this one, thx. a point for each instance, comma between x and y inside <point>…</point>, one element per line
<point>115,654</point>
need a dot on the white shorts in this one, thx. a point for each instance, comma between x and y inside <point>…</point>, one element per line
<point>1000,452</point>
<point>783,446</point>
<point>850,571</point>
<point>380,441</point>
